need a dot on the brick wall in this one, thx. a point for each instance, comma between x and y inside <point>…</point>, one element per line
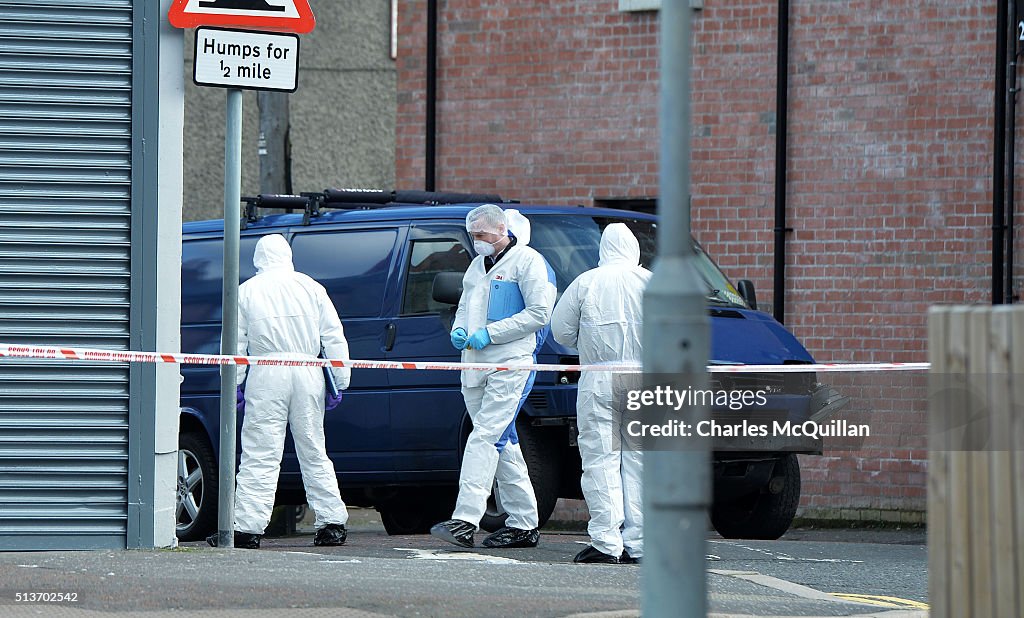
<point>889,159</point>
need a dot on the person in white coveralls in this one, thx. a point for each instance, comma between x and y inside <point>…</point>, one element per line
<point>502,318</point>
<point>282,312</point>
<point>600,314</point>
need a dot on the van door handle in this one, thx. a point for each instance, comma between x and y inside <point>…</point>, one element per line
<point>389,336</point>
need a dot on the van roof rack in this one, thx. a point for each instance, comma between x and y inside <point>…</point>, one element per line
<point>364,198</point>
<point>307,202</point>
<point>311,203</point>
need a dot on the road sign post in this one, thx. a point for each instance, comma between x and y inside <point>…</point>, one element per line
<point>237,59</point>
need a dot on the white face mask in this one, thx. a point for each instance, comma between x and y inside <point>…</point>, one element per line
<point>483,247</point>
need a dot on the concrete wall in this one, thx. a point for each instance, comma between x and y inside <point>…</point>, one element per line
<point>342,115</point>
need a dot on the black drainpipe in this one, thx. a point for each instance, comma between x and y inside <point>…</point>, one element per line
<point>781,128</point>
<point>999,158</point>
<point>1011,131</point>
<point>430,166</point>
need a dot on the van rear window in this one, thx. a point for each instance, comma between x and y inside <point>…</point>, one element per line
<point>352,265</point>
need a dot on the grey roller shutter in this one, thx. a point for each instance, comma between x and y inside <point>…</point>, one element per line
<point>65,171</point>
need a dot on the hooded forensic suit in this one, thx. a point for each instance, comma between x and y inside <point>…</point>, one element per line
<point>494,398</point>
<point>285,313</point>
<point>600,314</point>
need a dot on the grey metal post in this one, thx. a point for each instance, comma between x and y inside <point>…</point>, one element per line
<point>229,333</point>
<point>677,483</point>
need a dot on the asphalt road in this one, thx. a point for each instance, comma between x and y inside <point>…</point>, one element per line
<point>375,574</point>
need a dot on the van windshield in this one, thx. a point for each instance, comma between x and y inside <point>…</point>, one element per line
<point>570,244</point>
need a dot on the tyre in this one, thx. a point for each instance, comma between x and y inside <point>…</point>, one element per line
<point>543,459</point>
<point>196,495</point>
<point>415,511</point>
<point>762,515</point>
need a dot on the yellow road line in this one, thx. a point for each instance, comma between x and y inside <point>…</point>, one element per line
<point>880,600</point>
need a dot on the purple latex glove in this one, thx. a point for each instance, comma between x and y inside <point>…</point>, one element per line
<point>239,400</point>
<point>332,402</point>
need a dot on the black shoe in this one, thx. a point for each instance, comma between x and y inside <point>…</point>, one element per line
<point>512,537</point>
<point>592,555</point>
<point>243,540</point>
<point>331,535</point>
<point>455,531</point>
<point>625,558</point>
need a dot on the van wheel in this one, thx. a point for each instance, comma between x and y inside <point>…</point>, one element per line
<point>762,515</point>
<point>414,512</point>
<point>195,506</point>
<point>544,461</point>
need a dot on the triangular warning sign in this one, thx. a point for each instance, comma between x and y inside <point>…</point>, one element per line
<point>284,15</point>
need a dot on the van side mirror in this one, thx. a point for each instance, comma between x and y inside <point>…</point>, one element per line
<point>746,289</point>
<point>447,288</point>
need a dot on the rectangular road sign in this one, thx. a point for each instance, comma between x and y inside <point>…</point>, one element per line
<point>244,59</point>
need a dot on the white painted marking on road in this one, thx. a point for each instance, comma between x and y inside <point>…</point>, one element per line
<point>786,557</point>
<point>343,561</point>
<point>789,587</point>
<point>713,557</point>
<point>441,554</point>
<point>29,566</point>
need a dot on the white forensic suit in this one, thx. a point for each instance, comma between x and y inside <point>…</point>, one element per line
<point>283,312</point>
<point>494,398</point>
<point>600,314</point>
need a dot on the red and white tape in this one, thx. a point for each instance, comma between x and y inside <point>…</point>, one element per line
<point>91,354</point>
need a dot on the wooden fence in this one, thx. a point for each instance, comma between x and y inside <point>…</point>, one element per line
<point>976,462</point>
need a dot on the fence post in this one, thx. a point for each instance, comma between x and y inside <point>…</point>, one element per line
<point>975,461</point>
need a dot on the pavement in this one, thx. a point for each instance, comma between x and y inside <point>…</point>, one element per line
<point>375,575</point>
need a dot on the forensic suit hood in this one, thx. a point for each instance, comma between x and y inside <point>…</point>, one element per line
<point>272,252</point>
<point>618,246</point>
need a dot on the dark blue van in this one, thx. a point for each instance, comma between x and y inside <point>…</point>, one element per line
<point>397,438</point>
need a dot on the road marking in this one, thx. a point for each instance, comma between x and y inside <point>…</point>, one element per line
<point>880,600</point>
<point>441,554</point>
<point>786,557</point>
<point>768,581</point>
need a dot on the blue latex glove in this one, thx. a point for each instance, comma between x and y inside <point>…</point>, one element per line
<point>459,337</point>
<point>239,400</point>
<point>479,340</point>
<point>332,402</point>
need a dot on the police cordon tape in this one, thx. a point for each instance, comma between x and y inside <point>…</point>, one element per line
<point>92,354</point>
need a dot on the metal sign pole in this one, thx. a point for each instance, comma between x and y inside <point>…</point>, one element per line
<point>229,334</point>
<point>676,343</point>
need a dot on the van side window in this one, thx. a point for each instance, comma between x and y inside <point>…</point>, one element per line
<point>202,269</point>
<point>426,259</point>
<point>352,265</point>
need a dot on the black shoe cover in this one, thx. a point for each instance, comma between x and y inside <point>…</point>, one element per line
<point>331,535</point>
<point>593,555</point>
<point>625,558</point>
<point>455,531</point>
<point>243,540</point>
<point>513,537</point>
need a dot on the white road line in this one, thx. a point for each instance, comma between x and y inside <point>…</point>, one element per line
<point>786,557</point>
<point>441,554</point>
<point>788,587</point>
